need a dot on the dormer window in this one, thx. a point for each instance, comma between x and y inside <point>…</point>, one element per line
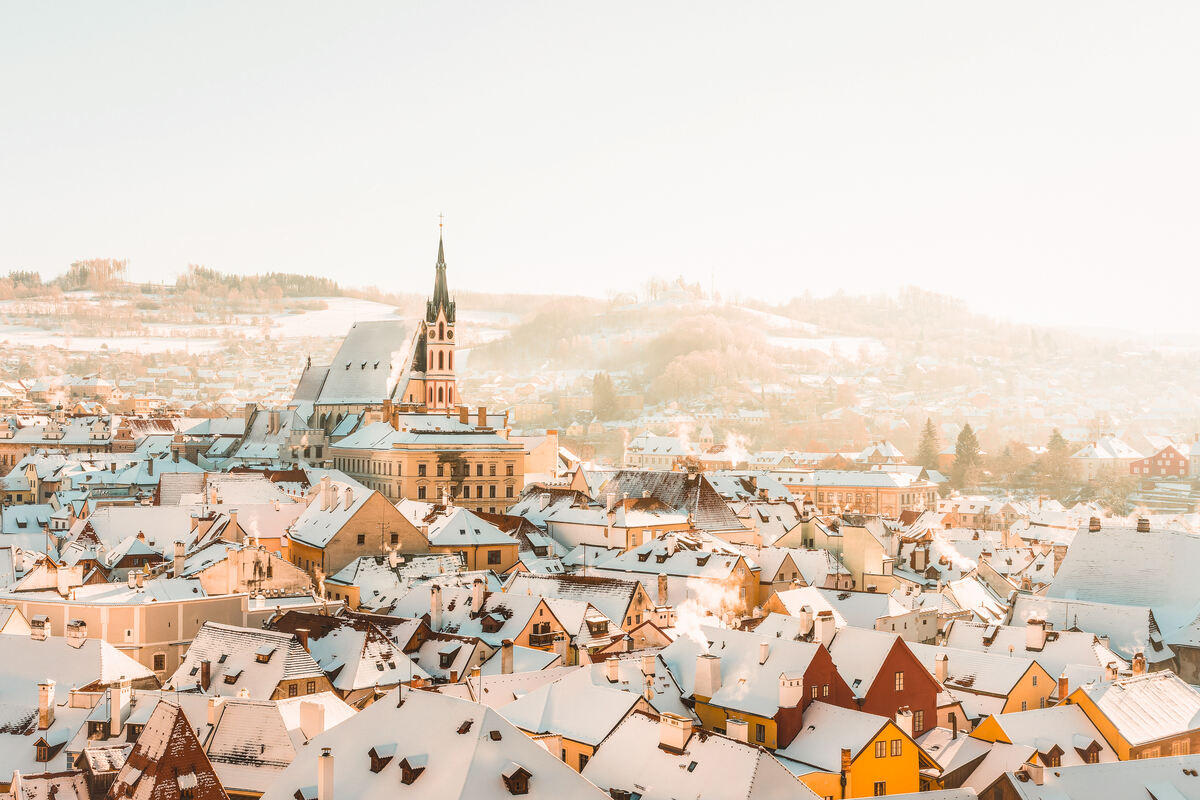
<point>381,755</point>
<point>263,654</point>
<point>412,767</point>
<point>516,779</point>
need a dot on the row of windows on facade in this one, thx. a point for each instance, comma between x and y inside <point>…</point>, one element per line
<point>466,492</point>
<point>378,467</point>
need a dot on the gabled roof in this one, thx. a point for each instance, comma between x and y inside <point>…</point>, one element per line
<point>1144,708</point>
<point>233,656</point>
<point>611,596</point>
<point>710,766</point>
<point>686,493</point>
<point>166,759</point>
<point>351,650</point>
<point>580,711</point>
<point>466,749</point>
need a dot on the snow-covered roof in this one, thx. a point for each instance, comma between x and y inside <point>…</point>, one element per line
<point>467,751</point>
<point>234,659</point>
<point>1144,708</point>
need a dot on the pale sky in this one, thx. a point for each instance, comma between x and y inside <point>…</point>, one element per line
<point>1040,159</point>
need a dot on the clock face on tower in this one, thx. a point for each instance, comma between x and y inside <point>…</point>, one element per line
<point>450,334</point>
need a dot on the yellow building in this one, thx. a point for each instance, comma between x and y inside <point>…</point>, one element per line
<point>845,753</point>
<point>1143,716</point>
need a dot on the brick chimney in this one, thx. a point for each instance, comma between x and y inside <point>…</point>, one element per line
<point>1094,524</point>
<point>45,704</point>
<point>1139,663</point>
<point>708,675</point>
<point>662,590</point>
<point>482,417</point>
<point>612,669</point>
<point>205,674</point>
<point>1064,687</point>
<point>302,635</point>
<point>435,608</point>
<point>464,415</point>
<point>674,732</point>
<point>325,774</point>
<point>1143,525</point>
<point>178,561</point>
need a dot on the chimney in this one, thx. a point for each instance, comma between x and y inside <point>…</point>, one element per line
<point>543,500</point>
<point>610,502</point>
<point>791,690</point>
<point>806,619</point>
<point>612,669</point>
<point>435,607</point>
<point>824,628</point>
<point>477,595</point>
<point>349,497</point>
<point>131,580</point>
<point>674,732</point>
<point>506,657</point>
<point>482,417</point>
<point>847,759</point>
<point>1143,525</point>
<point>302,635</point>
<point>324,490</point>
<point>214,710</point>
<point>312,718</point>
<point>560,647</point>
<point>325,774</point>
<point>205,674</point>
<point>464,415</point>
<point>649,664</point>
<point>177,568</point>
<point>1139,663</point>
<point>904,720</point>
<point>708,675</point>
<point>737,729</point>
<point>119,698</point>
<point>150,465</point>
<point>1110,671</point>
<point>1094,524</point>
<point>45,704</point>
<point>953,725</point>
<point>1035,634</point>
<point>1064,687</point>
<point>662,590</point>
<point>1036,773</point>
<point>139,578</point>
<point>941,667</point>
<point>76,633</point>
<point>764,650</point>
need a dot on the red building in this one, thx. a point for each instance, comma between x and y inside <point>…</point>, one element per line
<point>885,676</point>
<point>1166,463</point>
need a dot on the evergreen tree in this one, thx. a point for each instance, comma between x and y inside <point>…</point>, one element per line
<point>967,458</point>
<point>604,396</point>
<point>927,455</point>
<point>1055,466</point>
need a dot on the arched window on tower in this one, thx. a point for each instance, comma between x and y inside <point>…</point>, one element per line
<point>430,394</point>
<point>449,394</point>
<point>441,360</point>
<point>441,395</point>
<point>441,331</point>
<point>450,359</point>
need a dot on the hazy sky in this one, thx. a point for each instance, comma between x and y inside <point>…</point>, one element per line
<point>1040,159</point>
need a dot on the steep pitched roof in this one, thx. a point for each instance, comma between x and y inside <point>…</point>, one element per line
<point>166,759</point>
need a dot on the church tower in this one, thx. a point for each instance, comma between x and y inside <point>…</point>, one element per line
<point>441,394</point>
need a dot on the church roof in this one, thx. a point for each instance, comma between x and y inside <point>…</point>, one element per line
<point>441,295</point>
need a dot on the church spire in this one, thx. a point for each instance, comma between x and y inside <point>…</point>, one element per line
<point>441,294</point>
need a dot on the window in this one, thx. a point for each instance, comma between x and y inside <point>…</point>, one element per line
<point>466,491</point>
<point>43,753</point>
<point>825,690</point>
<point>421,491</point>
<point>508,470</point>
<point>899,681</point>
<point>1179,748</point>
<point>880,788</point>
<point>292,691</point>
<point>815,689</point>
<point>1041,702</point>
<point>880,749</point>
<point>1024,705</point>
<point>918,721</point>
<point>420,470</point>
<point>896,747</point>
<point>508,491</point>
<point>362,538</point>
<point>492,470</point>
<point>311,688</point>
<point>583,759</point>
<point>493,556</point>
<point>491,491</point>
<point>395,538</point>
<point>160,662</point>
<point>439,469</point>
<point>479,470</point>
<point>1035,680</point>
<point>760,732</point>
